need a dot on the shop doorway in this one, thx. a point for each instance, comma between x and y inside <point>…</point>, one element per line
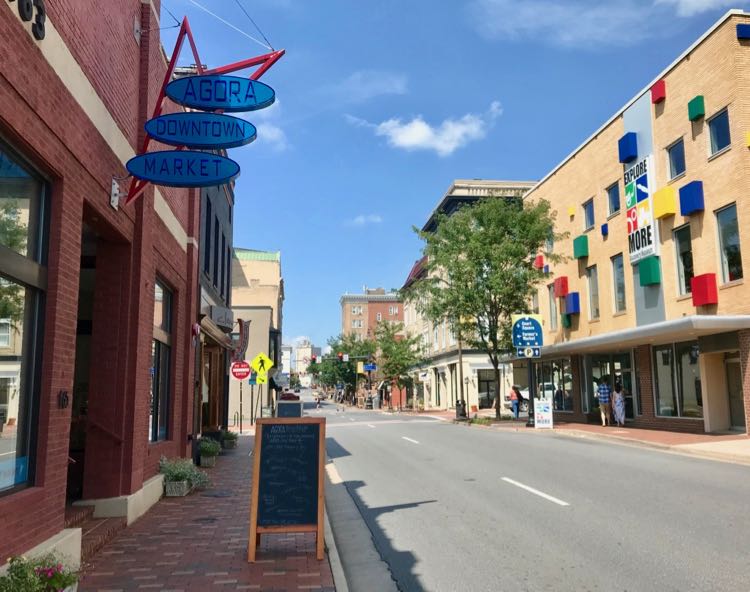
<point>79,401</point>
<point>736,400</point>
<point>613,369</point>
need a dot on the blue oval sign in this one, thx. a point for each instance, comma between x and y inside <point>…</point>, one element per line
<point>183,168</point>
<point>201,130</point>
<point>212,92</point>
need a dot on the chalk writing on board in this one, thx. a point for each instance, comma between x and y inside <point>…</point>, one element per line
<point>288,483</point>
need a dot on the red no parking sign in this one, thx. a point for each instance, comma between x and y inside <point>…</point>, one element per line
<point>241,370</point>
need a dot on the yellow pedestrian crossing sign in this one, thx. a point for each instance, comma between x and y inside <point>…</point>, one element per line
<point>261,363</point>
<point>261,379</point>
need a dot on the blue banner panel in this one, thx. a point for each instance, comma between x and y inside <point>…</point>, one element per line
<point>228,93</point>
<point>183,168</point>
<point>201,130</point>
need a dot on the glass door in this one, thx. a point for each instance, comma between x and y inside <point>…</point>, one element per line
<point>623,375</point>
<point>734,387</point>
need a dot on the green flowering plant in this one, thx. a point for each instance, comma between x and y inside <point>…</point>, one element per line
<point>182,469</point>
<point>43,574</point>
<point>209,447</point>
<point>227,435</point>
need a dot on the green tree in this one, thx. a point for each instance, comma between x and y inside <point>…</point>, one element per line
<point>398,354</point>
<point>479,271</point>
<point>294,381</point>
<point>331,371</point>
<point>13,235</point>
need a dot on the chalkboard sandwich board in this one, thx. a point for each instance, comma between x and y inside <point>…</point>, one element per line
<point>287,489</point>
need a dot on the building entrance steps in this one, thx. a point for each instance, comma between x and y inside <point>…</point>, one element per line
<point>199,542</point>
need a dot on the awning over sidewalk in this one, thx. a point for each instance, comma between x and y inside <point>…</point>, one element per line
<point>685,328</point>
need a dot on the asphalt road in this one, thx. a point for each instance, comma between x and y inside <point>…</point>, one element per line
<point>448,508</point>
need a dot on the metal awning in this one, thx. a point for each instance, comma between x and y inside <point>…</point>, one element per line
<point>685,328</point>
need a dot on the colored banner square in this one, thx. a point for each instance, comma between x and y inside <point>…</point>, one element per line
<point>630,195</point>
<point>641,188</point>
<point>632,220</point>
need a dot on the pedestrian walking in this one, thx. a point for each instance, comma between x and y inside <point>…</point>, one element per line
<point>515,400</point>
<point>618,405</point>
<point>605,408</point>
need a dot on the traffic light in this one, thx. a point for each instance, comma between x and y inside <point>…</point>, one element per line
<point>340,356</point>
<point>313,359</point>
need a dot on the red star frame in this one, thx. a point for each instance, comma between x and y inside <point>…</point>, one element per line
<point>264,62</point>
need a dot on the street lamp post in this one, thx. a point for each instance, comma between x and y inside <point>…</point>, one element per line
<point>466,391</point>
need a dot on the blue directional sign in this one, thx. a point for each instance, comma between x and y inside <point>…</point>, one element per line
<point>370,367</point>
<point>528,352</point>
<point>212,92</point>
<point>201,130</point>
<point>183,168</point>
<point>527,331</point>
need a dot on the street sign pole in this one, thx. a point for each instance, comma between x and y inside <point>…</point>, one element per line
<point>240,407</point>
<point>252,404</point>
<point>532,391</point>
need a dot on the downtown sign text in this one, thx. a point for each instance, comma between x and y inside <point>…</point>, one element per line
<point>201,130</point>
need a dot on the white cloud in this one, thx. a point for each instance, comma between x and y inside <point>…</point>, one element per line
<point>444,138</point>
<point>364,219</point>
<point>688,8</point>
<point>582,22</point>
<point>364,85</point>
<point>268,121</point>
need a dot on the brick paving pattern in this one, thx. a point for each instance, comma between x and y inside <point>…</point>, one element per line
<point>199,542</point>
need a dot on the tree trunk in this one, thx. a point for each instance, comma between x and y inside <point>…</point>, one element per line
<point>498,394</point>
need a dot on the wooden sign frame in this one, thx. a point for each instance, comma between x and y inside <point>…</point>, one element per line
<point>255,530</point>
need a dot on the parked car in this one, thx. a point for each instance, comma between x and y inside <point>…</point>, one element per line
<point>524,404</point>
<point>486,400</point>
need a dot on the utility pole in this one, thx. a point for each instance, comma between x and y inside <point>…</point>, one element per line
<point>461,375</point>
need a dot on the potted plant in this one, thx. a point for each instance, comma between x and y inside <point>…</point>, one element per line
<point>209,449</point>
<point>180,476</point>
<point>229,440</point>
<point>43,574</point>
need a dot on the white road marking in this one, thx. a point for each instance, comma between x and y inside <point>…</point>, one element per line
<point>410,440</point>
<point>350,419</point>
<point>369,425</point>
<point>554,500</point>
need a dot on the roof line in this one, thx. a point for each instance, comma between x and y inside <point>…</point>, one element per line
<point>647,88</point>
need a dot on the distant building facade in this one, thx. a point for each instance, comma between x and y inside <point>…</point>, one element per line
<point>257,298</point>
<point>303,353</point>
<point>438,383</point>
<point>360,313</point>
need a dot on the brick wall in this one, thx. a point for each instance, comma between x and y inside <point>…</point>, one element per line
<point>41,119</point>
<point>745,367</point>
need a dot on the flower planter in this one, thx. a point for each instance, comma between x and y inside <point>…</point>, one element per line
<point>177,488</point>
<point>208,461</point>
<point>228,444</point>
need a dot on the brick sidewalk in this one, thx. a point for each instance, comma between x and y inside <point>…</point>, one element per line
<point>199,542</point>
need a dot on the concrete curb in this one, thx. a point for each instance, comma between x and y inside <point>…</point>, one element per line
<point>362,569</point>
<point>337,569</point>
<point>670,448</point>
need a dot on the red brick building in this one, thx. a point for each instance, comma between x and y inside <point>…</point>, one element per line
<point>96,301</point>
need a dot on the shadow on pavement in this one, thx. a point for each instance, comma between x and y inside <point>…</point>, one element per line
<point>401,563</point>
<point>335,450</point>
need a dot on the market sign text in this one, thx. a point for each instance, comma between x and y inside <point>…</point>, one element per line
<point>212,92</point>
<point>201,130</point>
<point>184,168</point>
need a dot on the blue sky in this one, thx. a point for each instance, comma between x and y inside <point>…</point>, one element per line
<point>381,104</point>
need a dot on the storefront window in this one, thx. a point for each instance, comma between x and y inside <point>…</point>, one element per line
<point>161,348</point>
<point>22,285</point>
<point>554,381</point>
<point>487,388</point>
<point>666,395</point>
<point>614,370</point>
<point>689,380</point>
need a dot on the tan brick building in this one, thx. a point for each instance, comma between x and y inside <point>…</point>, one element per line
<point>360,313</point>
<point>652,296</point>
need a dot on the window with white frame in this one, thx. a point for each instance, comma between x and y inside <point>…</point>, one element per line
<point>379,317</point>
<point>4,332</point>
<point>618,281</point>
<point>588,215</point>
<point>535,303</point>
<point>552,308</point>
<point>613,198</point>
<point>684,251</point>
<point>393,310</point>
<point>729,244</point>
<point>356,310</point>
<point>356,323</point>
<point>676,157</point>
<point>718,128</point>
<point>592,276</point>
